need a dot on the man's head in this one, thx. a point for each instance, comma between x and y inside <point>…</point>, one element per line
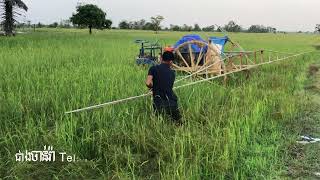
<point>167,57</point>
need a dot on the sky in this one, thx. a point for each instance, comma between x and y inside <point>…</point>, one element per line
<point>285,15</point>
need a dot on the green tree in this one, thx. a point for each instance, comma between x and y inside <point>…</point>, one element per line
<point>8,15</point>
<point>209,28</point>
<point>156,21</point>
<point>318,28</point>
<point>90,16</point>
<point>107,23</point>
<point>232,27</point>
<point>175,27</point>
<point>219,29</point>
<point>140,24</point>
<point>40,25</point>
<point>148,26</point>
<point>197,27</point>
<point>258,29</point>
<point>186,27</point>
<point>53,25</point>
<point>124,25</point>
<point>272,29</point>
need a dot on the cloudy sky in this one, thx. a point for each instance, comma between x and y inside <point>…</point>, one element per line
<point>288,15</point>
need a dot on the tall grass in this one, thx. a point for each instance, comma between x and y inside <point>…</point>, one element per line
<point>232,131</point>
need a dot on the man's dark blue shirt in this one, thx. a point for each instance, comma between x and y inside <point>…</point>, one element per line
<point>163,81</point>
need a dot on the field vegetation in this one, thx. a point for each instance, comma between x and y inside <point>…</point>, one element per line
<point>237,131</point>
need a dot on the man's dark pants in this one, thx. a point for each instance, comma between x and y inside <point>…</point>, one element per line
<point>161,106</point>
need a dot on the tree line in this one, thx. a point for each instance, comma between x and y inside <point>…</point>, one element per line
<point>91,16</point>
<point>231,26</point>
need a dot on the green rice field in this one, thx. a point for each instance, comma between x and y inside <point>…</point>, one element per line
<point>233,131</point>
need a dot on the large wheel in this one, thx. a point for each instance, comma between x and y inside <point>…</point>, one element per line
<point>198,57</point>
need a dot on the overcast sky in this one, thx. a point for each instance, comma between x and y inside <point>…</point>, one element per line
<point>288,15</point>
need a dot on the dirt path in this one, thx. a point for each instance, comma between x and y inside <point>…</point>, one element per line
<point>304,161</point>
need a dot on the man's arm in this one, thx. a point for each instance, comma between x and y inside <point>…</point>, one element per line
<point>149,83</point>
<point>149,80</point>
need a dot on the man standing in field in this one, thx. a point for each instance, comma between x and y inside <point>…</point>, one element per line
<point>161,79</point>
